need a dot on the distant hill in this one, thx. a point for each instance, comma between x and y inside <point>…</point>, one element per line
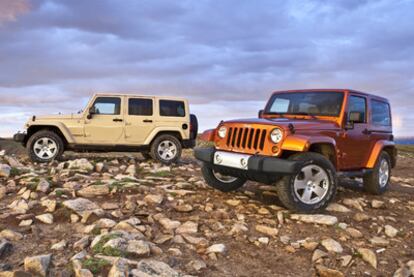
<point>405,140</point>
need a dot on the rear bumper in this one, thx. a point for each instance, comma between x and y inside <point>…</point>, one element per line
<point>20,137</point>
<point>259,168</point>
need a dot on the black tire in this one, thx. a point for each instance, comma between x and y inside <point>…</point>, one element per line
<point>146,155</point>
<point>213,182</point>
<point>172,140</point>
<point>194,126</point>
<point>49,135</point>
<point>291,199</point>
<point>372,180</point>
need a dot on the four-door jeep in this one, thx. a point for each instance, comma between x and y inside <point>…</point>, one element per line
<point>158,127</point>
<point>302,142</point>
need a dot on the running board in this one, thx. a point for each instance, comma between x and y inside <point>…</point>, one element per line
<point>357,173</point>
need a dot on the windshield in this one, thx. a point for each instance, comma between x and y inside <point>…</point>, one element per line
<point>306,103</point>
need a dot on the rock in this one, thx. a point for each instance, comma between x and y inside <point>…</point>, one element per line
<point>332,245</point>
<point>59,246</point>
<point>43,186</point>
<point>263,240</point>
<point>216,248</point>
<point>138,248</point>
<point>376,204</point>
<point>233,202</point>
<point>263,211</point>
<point>183,208</point>
<point>38,265</point>
<point>82,243</point>
<point>318,254</point>
<point>3,191</point>
<point>153,268</point>
<point>238,228</point>
<point>402,272</point>
<point>49,204</point>
<point>25,223</point>
<point>345,260</point>
<point>378,241</point>
<point>19,206</point>
<point>5,248</point>
<point>197,265</point>
<point>131,170</point>
<point>94,190</point>
<point>5,170</point>
<point>361,217</point>
<point>80,164</point>
<point>119,269</point>
<point>353,203</point>
<point>368,256</point>
<point>267,230</point>
<point>105,223</point>
<point>153,199</point>
<point>355,233</point>
<point>327,272</point>
<point>45,218</point>
<point>17,273</point>
<point>10,235</point>
<point>169,224</point>
<point>335,207</point>
<point>390,231</point>
<point>79,271</point>
<point>188,227</point>
<point>315,218</point>
<point>83,207</point>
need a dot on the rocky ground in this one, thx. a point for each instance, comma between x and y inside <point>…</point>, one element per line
<point>114,215</point>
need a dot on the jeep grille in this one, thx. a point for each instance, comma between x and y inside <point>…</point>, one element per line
<point>246,138</point>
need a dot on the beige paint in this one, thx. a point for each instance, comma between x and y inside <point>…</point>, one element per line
<point>102,130</point>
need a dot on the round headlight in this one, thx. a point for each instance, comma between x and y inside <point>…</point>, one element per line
<point>222,132</point>
<point>276,135</point>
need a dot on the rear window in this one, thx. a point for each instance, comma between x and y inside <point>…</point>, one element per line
<point>381,114</point>
<point>139,106</point>
<point>172,108</point>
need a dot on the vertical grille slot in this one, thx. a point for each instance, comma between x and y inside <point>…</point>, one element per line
<point>249,143</point>
<point>229,136</point>
<point>256,138</point>
<point>233,139</point>
<point>244,140</point>
<point>250,139</point>
<point>262,139</point>
<point>239,137</point>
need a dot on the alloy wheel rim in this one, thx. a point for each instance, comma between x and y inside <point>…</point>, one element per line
<point>45,148</point>
<point>167,150</point>
<point>384,173</point>
<point>224,178</point>
<point>311,184</point>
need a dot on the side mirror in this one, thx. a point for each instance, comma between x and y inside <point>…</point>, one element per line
<point>261,112</point>
<point>91,112</point>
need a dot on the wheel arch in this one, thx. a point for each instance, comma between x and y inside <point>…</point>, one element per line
<point>155,135</point>
<point>382,145</point>
<point>53,128</point>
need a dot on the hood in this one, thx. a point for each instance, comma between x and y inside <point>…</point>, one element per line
<point>298,124</point>
<point>59,116</point>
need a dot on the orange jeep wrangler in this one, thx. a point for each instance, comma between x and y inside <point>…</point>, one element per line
<point>302,142</point>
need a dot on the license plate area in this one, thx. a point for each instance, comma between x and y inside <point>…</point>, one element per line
<point>233,160</point>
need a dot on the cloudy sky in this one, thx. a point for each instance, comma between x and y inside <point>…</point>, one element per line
<point>225,56</point>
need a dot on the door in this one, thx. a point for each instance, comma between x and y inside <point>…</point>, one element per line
<point>139,120</point>
<point>355,142</point>
<point>106,123</point>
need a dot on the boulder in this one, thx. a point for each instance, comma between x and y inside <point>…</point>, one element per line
<point>94,190</point>
<point>267,230</point>
<point>153,268</point>
<point>332,245</point>
<point>38,265</point>
<point>83,207</point>
<point>368,256</point>
<point>80,164</point>
<point>5,170</point>
<point>315,218</point>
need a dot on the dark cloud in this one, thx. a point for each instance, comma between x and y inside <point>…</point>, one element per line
<point>225,56</point>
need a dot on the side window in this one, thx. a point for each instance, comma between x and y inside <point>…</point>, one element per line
<point>107,105</point>
<point>140,106</point>
<point>172,108</point>
<point>381,114</point>
<point>358,104</point>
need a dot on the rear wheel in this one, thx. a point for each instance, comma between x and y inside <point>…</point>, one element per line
<point>45,146</point>
<point>219,181</point>
<point>378,180</point>
<point>312,188</point>
<point>166,149</point>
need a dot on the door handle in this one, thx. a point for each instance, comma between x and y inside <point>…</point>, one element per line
<point>147,121</point>
<point>366,132</point>
<point>117,120</point>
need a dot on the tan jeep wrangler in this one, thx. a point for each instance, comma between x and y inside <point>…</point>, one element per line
<point>302,141</point>
<point>158,127</point>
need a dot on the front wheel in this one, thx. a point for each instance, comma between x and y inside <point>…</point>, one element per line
<point>166,149</point>
<point>312,188</point>
<point>45,146</point>
<point>378,180</point>
<point>219,181</point>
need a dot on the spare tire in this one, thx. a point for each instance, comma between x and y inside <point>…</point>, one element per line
<point>193,126</point>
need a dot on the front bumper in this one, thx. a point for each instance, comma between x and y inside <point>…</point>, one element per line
<point>20,137</point>
<point>258,168</point>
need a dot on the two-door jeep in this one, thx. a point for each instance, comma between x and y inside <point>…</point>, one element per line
<point>302,142</point>
<point>158,127</point>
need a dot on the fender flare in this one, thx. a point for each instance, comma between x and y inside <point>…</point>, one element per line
<point>158,130</point>
<point>60,126</point>
<point>376,151</point>
<point>303,143</point>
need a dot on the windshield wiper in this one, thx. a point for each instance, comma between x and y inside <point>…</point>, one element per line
<point>304,113</point>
